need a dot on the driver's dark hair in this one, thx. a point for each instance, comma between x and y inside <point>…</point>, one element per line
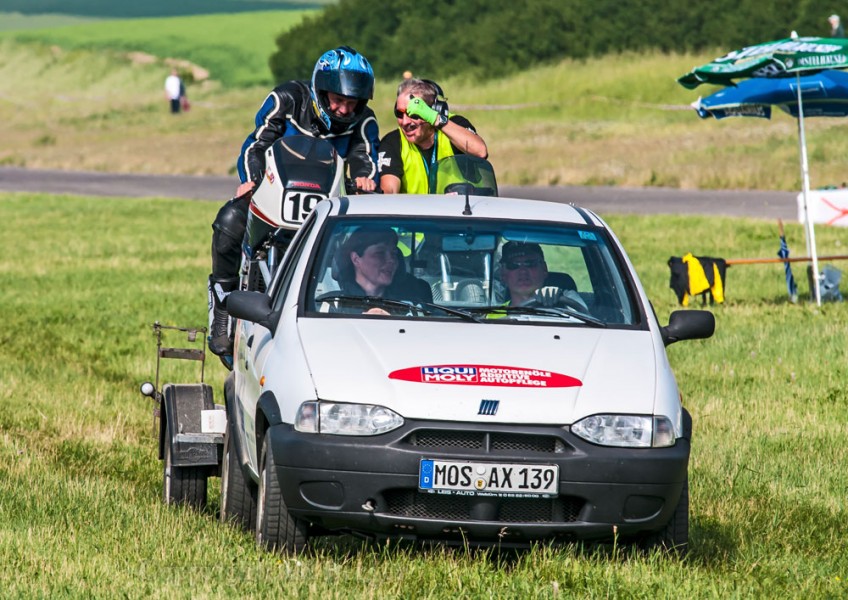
<point>358,242</point>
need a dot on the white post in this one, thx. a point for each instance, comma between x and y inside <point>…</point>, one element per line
<point>805,181</point>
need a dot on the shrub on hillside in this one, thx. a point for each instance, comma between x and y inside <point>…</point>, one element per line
<point>491,38</point>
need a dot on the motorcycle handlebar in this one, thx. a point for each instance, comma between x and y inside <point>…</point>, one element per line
<point>351,189</point>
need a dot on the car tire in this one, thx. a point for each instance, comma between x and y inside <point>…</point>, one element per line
<point>276,529</point>
<point>182,485</point>
<point>674,537</point>
<point>238,494</point>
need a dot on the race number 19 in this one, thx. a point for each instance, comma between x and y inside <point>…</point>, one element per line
<point>297,205</point>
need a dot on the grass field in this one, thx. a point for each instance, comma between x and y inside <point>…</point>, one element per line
<point>83,279</point>
<point>234,48</point>
<point>108,9</point>
<point>75,100</point>
<point>12,21</point>
<point>80,514</point>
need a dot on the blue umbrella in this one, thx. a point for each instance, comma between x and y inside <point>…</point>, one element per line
<point>824,94</point>
<point>783,252</point>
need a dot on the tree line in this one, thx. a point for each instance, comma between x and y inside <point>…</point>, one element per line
<point>492,38</point>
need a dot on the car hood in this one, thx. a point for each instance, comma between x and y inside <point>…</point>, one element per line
<point>447,371</point>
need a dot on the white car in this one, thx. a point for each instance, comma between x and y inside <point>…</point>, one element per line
<point>434,404</point>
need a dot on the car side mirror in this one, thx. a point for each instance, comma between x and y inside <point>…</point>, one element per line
<point>688,325</point>
<point>252,306</point>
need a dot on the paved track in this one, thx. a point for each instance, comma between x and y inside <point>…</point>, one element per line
<point>603,200</point>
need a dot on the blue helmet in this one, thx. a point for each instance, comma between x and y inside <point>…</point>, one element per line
<point>345,72</point>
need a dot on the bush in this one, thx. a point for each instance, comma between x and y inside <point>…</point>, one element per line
<point>493,38</point>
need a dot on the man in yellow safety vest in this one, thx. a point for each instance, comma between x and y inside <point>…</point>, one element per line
<point>427,132</point>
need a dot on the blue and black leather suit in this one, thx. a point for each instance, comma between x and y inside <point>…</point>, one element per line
<point>288,110</point>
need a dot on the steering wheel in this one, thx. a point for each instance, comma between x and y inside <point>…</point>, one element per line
<point>558,298</point>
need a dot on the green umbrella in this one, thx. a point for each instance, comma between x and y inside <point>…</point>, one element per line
<point>781,58</point>
<point>791,57</point>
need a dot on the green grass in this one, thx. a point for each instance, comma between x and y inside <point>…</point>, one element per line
<point>10,21</point>
<point>109,9</point>
<point>233,47</point>
<point>83,279</point>
<point>620,121</point>
<point>80,516</point>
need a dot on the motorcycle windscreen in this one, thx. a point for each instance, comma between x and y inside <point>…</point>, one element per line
<point>305,163</point>
<point>465,174</point>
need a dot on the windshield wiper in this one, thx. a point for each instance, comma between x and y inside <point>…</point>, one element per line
<point>547,311</point>
<point>464,315</point>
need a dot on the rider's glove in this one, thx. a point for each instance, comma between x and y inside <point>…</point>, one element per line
<point>419,109</point>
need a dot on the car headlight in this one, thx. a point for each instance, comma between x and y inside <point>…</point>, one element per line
<point>340,418</point>
<point>627,431</point>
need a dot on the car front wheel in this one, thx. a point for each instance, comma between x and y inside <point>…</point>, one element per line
<point>276,529</point>
<point>674,537</point>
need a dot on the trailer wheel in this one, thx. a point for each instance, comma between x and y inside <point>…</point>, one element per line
<point>182,485</point>
<point>238,495</point>
<point>276,529</point>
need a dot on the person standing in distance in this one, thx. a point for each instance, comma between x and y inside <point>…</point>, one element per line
<point>836,29</point>
<point>173,90</point>
<point>426,133</point>
<point>332,106</point>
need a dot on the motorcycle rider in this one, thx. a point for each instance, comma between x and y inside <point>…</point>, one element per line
<point>334,107</point>
<point>426,133</point>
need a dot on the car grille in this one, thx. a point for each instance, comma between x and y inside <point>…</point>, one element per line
<point>441,439</point>
<point>415,505</point>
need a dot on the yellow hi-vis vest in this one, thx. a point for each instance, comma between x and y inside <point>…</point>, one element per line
<point>416,173</point>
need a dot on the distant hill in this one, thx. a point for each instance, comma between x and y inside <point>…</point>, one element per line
<point>232,48</point>
<point>124,9</point>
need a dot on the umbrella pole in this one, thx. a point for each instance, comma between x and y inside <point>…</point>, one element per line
<point>805,179</point>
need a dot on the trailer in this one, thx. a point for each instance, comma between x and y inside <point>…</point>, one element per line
<point>189,425</point>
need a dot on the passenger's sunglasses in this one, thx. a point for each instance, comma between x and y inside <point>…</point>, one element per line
<point>517,264</point>
<point>400,114</point>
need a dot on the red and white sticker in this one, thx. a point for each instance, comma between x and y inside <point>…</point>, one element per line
<point>310,185</point>
<point>485,375</point>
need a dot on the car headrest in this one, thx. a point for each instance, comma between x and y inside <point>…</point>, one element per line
<point>561,280</point>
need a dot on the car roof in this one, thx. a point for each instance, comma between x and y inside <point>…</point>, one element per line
<point>453,206</point>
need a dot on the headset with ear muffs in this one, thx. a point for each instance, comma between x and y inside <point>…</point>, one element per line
<point>441,103</point>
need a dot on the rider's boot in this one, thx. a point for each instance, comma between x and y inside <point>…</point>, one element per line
<point>220,334</point>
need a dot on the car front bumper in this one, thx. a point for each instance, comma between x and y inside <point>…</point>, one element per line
<point>370,484</point>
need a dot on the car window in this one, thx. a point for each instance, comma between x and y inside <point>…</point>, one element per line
<point>280,287</point>
<point>479,269</point>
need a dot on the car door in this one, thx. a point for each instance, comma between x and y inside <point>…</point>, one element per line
<point>255,343</point>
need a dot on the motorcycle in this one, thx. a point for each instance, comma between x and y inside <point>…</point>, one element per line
<point>300,171</point>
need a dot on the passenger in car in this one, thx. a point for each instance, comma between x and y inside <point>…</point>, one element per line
<point>370,264</point>
<point>524,270</point>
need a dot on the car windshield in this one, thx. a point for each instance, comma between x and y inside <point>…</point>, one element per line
<point>484,271</point>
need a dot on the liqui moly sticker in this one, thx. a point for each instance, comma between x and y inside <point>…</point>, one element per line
<point>485,375</point>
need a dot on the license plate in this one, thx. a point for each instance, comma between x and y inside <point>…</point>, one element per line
<point>487,479</point>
